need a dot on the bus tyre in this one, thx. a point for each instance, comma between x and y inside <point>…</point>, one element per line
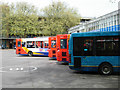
<point>30,54</point>
<point>105,69</point>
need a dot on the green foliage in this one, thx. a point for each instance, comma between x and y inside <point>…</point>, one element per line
<point>21,19</point>
<point>60,18</point>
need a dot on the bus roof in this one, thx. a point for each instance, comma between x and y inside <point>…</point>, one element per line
<point>87,34</point>
<point>35,39</point>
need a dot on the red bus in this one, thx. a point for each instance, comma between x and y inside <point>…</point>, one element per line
<point>62,48</point>
<point>52,47</point>
<point>32,46</point>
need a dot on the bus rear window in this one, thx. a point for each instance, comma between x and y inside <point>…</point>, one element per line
<point>53,43</point>
<point>83,46</point>
<point>63,43</point>
<point>19,43</point>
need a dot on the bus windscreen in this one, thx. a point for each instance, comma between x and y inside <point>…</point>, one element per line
<point>63,44</point>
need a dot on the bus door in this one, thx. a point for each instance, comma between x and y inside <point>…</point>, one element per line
<point>18,46</point>
<point>62,48</point>
<point>52,47</point>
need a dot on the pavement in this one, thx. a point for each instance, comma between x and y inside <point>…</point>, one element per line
<point>40,72</point>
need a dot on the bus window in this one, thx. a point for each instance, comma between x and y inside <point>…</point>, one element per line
<point>77,47</point>
<point>37,44</point>
<point>53,43</point>
<point>23,44</point>
<point>19,43</point>
<point>116,45</point>
<point>88,47</point>
<point>46,45</point>
<point>82,46</point>
<point>63,43</point>
<point>30,44</point>
<point>41,44</point>
<point>107,46</point>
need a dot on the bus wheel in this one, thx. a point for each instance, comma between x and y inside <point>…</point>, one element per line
<point>30,53</point>
<point>105,69</point>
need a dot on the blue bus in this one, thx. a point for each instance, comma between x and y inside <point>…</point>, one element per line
<point>95,51</point>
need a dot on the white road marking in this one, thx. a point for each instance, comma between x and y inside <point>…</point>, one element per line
<point>22,69</point>
<point>17,69</point>
<point>11,69</point>
<point>35,68</point>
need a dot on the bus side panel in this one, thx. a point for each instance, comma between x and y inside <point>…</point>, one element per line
<point>91,63</point>
<point>113,60</point>
<point>41,51</point>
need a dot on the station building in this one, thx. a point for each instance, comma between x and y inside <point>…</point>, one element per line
<point>107,22</point>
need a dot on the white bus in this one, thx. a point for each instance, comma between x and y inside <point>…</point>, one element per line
<point>32,46</point>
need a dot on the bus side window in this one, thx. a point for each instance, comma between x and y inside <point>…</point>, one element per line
<point>23,44</point>
<point>19,43</point>
<point>107,46</point>
<point>41,44</point>
<point>37,44</point>
<point>46,45</point>
<point>30,44</point>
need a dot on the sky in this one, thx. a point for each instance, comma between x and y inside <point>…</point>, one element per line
<point>86,8</point>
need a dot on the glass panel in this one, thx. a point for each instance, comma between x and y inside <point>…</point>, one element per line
<point>53,43</point>
<point>82,46</point>
<point>19,43</point>
<point>63,43</point>
<point>77,46</point>
<point>107,46</point>
<point>30,44</point>
<point>41,44</point>
<point>23,44</point>
<point>46,44</point>
<point>37,44</point>
<point>88,47</point>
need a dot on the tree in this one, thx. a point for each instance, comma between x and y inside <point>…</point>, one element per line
<point>59,18</point>
<point>22,20</point>
<point>4,15</point>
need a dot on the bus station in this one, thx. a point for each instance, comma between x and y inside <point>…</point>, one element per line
<point>87,56</point>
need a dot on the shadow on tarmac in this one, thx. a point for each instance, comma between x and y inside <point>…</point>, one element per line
<point>62,63</point>
<point>94,73</point>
